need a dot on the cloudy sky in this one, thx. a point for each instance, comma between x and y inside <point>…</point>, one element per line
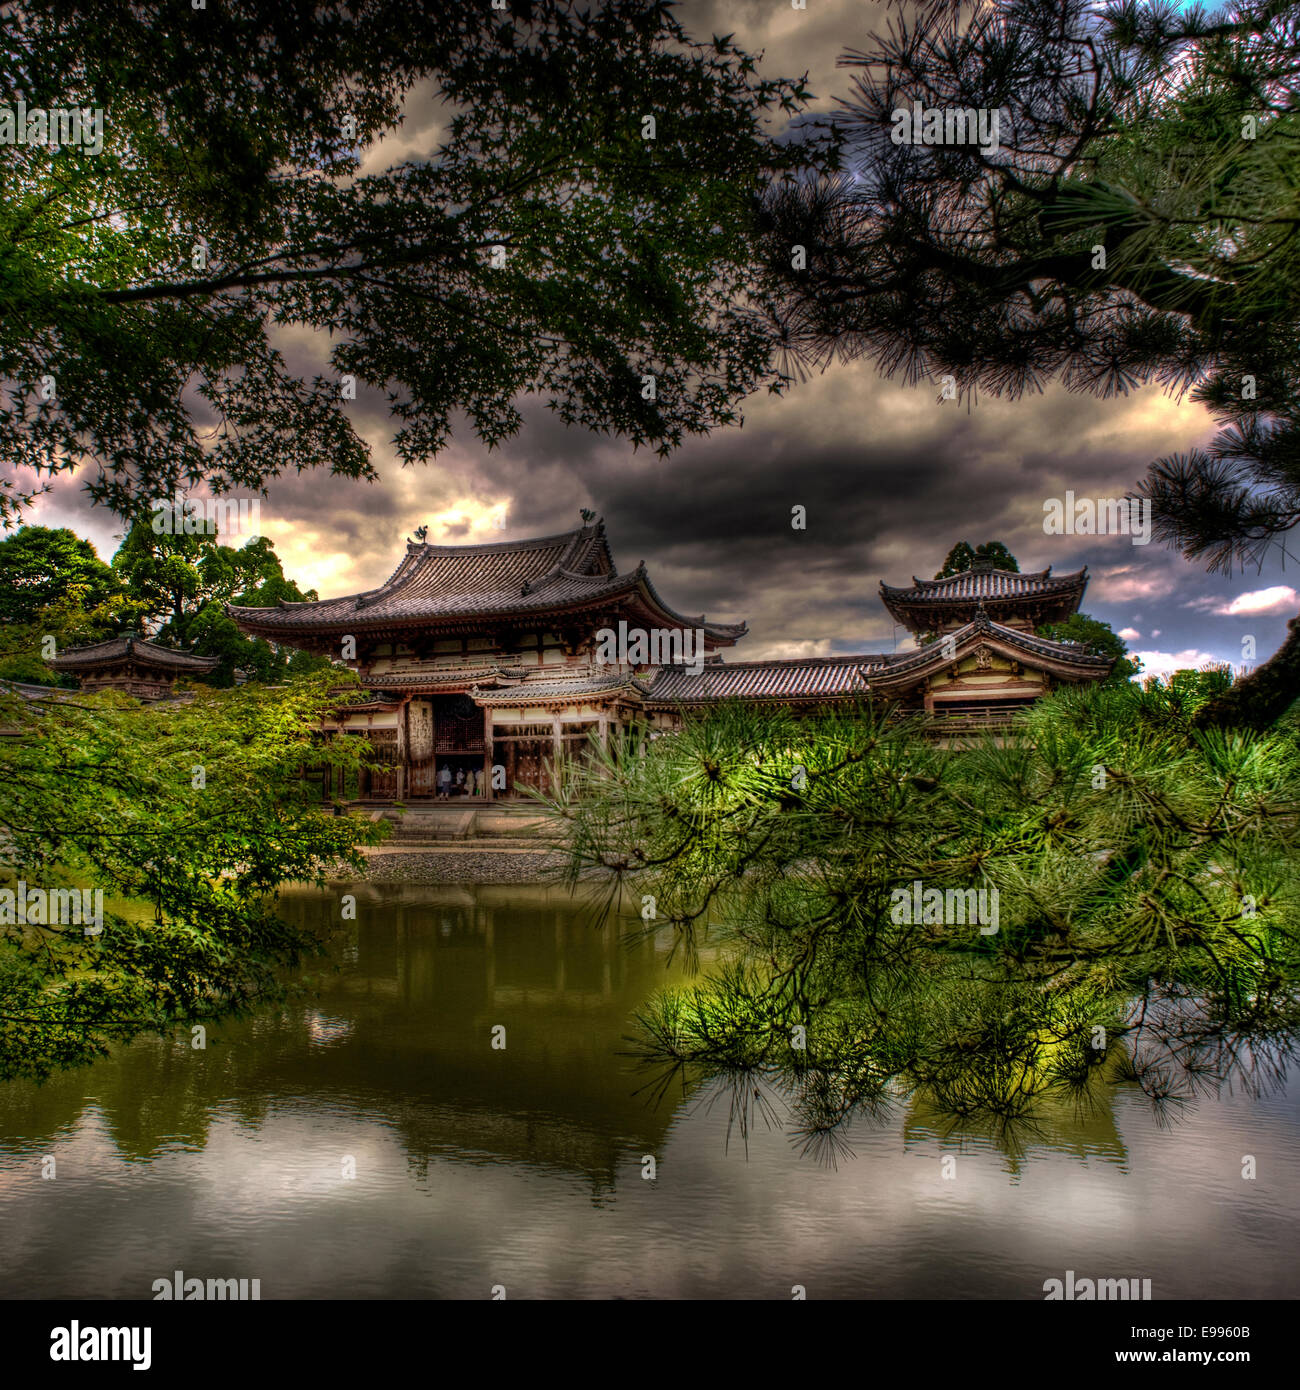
<point>890,476</point>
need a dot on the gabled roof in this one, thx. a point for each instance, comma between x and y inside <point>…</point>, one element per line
<point>1068,660</point>
<point>128,647</point>
<point>998,588</point>
<point>453,584</point>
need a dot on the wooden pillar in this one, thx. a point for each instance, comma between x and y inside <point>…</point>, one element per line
<point>487,752</point>
<point>403,746</point>
<point>557,752</point>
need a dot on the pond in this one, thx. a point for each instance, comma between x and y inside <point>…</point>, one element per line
<point>370,1141</point>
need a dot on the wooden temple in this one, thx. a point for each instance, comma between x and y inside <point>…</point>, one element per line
<point>485,664</point>
<point>484,659</point>
<point>977,658</point>
<point>132,665</point>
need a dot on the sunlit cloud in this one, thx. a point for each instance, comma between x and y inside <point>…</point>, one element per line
<point>1278,598</point>
<point>1166,663</point>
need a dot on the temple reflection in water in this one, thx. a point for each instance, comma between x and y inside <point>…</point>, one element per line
<point>399,1026</point>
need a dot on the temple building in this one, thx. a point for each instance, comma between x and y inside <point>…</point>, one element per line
<point>484,664</point>
<point>132,665</point>
<point>485,659</point>
<point>978,656</point>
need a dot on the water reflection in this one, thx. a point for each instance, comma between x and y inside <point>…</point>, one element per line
<point>524,1165</point>
<point>406,1015</point>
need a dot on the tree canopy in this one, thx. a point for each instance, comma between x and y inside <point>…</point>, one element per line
<point>1139,874</point>
<point>187,820</point>
<point>175,587</point>
<point>1135,221</point>
<point>40,566</point>
<point>961,558</point>
<point>1100,636</point>
<point>577,224</point>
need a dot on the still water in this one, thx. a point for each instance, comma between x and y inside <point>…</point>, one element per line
<point>523,1166</point>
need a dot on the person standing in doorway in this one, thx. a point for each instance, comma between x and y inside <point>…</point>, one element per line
<point>444,782</point>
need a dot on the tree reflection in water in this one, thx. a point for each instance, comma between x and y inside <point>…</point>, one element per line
<point>1143,873</point>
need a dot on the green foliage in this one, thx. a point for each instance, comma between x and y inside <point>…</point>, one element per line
<point>229,197</point>
<point>187,580</point>
<point>29,668</point>
<point>1190,691</point>
<point>97,792</point>
<point>1145,873</point>
<point>1135,224</point>
<point>39,566</point>
<point>961,558</point>
<point>1100,637</point>
<point>71,622</point>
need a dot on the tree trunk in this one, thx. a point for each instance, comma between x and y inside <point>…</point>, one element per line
<point>1259,700</point>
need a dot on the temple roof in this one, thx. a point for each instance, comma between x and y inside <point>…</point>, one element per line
<point>848,677</point>
<point>460,677</point>
<point>999,588</point>
<point>28,691</point>
<point>452,584</point>
<point>129,647</point>
<point>806,678</point>
<point>534,692</point>
<point>1066,659</point>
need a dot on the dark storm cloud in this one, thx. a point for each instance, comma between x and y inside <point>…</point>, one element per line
<point>890,477</point>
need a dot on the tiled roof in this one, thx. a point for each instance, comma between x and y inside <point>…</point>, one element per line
<point>467,581</point>
<point>28,691</point>
<point>983,628</point>
<point>985,584</point>
<point>532,692</point>
<point>808,678</point>
<point>449,675</point>
<point>933,602</point>
<point>376,704</point>
<point>136,648</point>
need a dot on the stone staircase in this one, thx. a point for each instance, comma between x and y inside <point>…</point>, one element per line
<point>421,828</point>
